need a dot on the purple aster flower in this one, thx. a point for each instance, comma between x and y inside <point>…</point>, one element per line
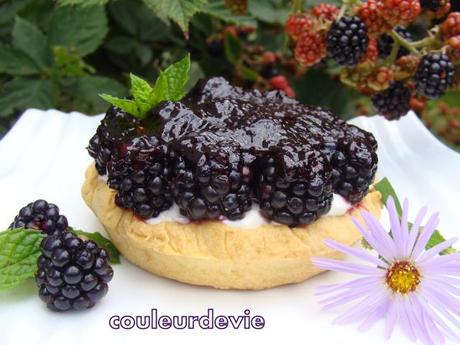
<point>406,284</point>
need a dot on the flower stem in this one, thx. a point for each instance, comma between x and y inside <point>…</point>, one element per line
<point>393,55</point>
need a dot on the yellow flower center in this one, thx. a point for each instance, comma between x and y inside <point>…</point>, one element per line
<point>403,277</point>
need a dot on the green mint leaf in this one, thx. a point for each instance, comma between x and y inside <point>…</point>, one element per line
<point>15,62</point>
<point>170,85</point>
<point>29,39</point>
<point>179,11</point>
<point>81,29</point>
<point>386,189</point>
<point>128,105</point>
<point>141,91</point>
<point>101,241</point>
<point>19,252</point>
<point>23,93</point>
<point>83,3</point>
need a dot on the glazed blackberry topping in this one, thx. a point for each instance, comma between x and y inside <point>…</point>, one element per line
<point>72,273</point>
<point>40,215</point>
<point>139,171</point>
<point>116,127</point>
<point>228,148</point>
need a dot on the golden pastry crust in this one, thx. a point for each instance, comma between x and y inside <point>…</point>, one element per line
<point>214,254</point>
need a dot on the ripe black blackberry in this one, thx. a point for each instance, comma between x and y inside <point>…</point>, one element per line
<point>432,5</point>
<point>434,75</point>
<point>393,102</point>
<point>385,43</point>
<point>116,127</point>
<point>354,165</point>
<point>40,215</point>
<point>72,273</point>
<point>210,180</point>
<point>288,196</point>
<point>347,41</point>
<point>139,172</point>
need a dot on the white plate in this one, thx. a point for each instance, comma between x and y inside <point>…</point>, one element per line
<point>44,156</point>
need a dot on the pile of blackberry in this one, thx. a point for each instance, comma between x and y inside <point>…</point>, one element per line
<point>72,273</point>
<point>222,149</point>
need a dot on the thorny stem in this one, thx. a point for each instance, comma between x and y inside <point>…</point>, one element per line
<point>298,6</point>
<point>403,42</point>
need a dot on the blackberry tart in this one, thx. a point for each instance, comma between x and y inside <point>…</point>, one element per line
<point>230,188</point>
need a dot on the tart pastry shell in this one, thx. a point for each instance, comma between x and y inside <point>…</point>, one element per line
<point>211,253</point>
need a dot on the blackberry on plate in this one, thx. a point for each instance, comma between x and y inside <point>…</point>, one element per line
<point>139,172</point>
<point>40,215</point>
<point>347,41</point>
<point>393,102</point>
<point>210,178</point>
<point>72,273</point>
<point>435,73</point>
<point>290,198</point>
<point>385,43</point>
<point>116,127</point>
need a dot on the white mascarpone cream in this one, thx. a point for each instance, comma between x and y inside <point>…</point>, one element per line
<point>251,220</point>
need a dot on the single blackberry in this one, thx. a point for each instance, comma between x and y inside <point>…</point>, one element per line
<point>432,5</point>
<point>385,43</point>
<point>434,75</point>
<point>72,273</point>
<point>347,41</point>
<point>393,102</point>
<point>290,198</point>
<point>116,127</point>
<point>40,215</point>
<point>354,164</point>
<point>210,179</point>
<point>139,172</point>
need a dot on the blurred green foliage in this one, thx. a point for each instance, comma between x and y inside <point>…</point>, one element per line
<point>62,54</point>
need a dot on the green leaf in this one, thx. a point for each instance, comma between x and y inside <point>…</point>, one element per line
<point>15,62</point>
<point>171,82</point>
<point>270,11</point>
<point>79,28</point>
<point>386,189</point>
<point>19,252</point>
<point>29,39</point>
<point>232,48</point>
<point>83,3</point>
<point>217,9</point>
<point>23,93</point>
<point>101,241</point>
<point>128,105</point>
<point>87,88</point>
<point>179,11</point>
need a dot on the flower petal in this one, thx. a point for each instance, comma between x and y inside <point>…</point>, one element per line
<point>436,250</point>
<point>347,296</point>
<point>373,317</point>
<point>404,229</point>
<point>357,252</point>
<point>381,236</point>
<point>425,235</point>
<point>415,230</point>
<point>325,289</point>
<point>368,235</point>
<point>395,226</point>
<point>400,302</point>
<point>428,331</point>
<point>391,319</point>
<point>347,267</point>
<point>439,260</point>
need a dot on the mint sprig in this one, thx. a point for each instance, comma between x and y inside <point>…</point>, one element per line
<point>19,251</point>
<point>169,86</point>
<point>386,189</point>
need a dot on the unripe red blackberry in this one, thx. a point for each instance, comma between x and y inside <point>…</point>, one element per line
<point>72,273</point>
<point>400,12</point>
<point>297,24</point>
<point>451,26</point>
<point>325,11</point>
<point>310,48</point>
<point>371,13</point>
<point>40,215</point>
<point>347,41</point>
